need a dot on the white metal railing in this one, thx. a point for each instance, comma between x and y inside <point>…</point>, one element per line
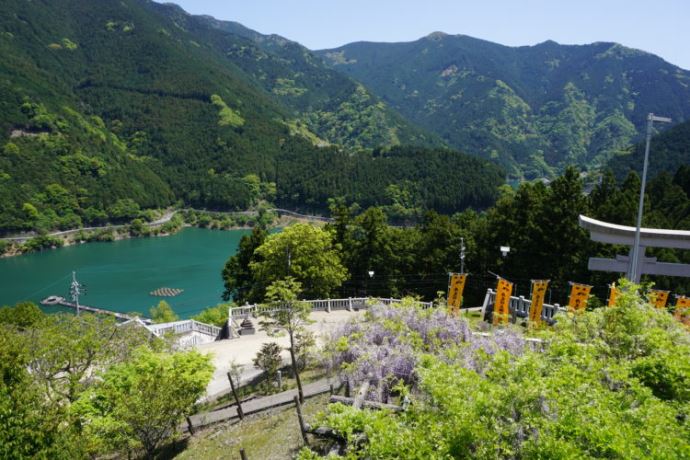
<point>519,307</point>
<point>236,314</point>
<point>183,327</point>
<point>328,305</point>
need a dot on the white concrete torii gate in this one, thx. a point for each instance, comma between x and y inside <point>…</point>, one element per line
<point>605,232</point>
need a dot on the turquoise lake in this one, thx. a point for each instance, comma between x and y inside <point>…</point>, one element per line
<point>119,275</point>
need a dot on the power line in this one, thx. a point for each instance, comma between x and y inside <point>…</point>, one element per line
<point>28,296</point>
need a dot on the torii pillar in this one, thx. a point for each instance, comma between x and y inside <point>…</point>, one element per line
<point>605,232</point>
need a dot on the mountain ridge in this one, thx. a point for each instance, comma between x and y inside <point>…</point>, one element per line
<point>333,106</point>
<point>534,109</point>
<point>106,107</point>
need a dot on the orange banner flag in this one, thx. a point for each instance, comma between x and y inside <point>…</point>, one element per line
<point>658,298</point>
<point>455,291</point>
<point>613,294</point>
<point>504,289</point>
<point>682,307</point>
<point>538,292</point>
<point>579,295</point>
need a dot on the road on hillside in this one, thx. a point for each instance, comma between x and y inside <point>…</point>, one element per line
<point>27,236</point>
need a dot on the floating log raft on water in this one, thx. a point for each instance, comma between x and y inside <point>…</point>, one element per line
<point>166,292</point>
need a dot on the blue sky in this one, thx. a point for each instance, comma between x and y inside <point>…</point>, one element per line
<point>661,27</point>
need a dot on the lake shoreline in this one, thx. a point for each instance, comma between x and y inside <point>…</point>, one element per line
<point>121,276</point>
<point>68,238</point>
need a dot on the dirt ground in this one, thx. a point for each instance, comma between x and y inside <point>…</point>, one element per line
<point>243,349</point>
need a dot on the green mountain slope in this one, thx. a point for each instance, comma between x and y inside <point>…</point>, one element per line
<point>106,105</point>
<point>116,84</point>
<point>533,109</point>
<point>333,106</point>
<point>669,151</point>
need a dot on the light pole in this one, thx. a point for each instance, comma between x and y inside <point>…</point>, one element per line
<point>634,274</point>
<point>371,275</point>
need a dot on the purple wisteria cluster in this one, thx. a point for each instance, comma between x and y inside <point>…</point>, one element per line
<point>386,348</point>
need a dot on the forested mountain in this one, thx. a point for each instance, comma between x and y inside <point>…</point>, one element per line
<point>108,105</point>
<point>534,109</point>
<point>335,107</point>
<point>668,151</point>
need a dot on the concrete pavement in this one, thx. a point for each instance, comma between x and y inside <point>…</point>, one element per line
<point>243,350</point>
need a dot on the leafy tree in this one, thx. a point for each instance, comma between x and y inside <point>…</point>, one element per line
<point>237,275</point>
<point>124,209</point>
<point>438,250</point>
<point>218,315</point>
<point>31,426</point>
<point>66,351</point>
<point>41,242</point>
<point>616,204</point>
<point>342,215</point>
<point>48,363</point>
<point>371,245</point>
<point>304,252</point>
<point>291,315</point>
<point>137,227</point>
<point>682,178</point>
<point>305,343</point>
<point>163,313</point>
<point>140,403</point>
<point>268,359</point>
<point>562,208</point>
<point>23,315</point>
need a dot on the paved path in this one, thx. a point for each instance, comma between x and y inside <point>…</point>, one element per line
<point>260,404</point>
<point>243,350</point>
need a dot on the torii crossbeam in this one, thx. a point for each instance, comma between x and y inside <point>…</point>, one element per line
<point>605,232</point>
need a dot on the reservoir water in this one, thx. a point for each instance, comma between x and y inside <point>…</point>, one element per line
<point>119,275</point>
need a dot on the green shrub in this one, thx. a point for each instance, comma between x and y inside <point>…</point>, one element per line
<point>611,383</point>
<point>218,315</point>
<point>42,242</point>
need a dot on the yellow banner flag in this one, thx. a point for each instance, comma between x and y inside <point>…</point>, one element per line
<point>538,292</point>
<point>579,294</point>
<point>457,286</point>
<point>502,302</point>
<point>682,307</point>
<point>658,298</point>
<point>613,294</point>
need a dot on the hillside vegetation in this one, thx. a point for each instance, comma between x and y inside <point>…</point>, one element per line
<point>669,151</point>
<point>110,107</point>
<point>534,109</point>
<point>611,383</point>
<point>114,105</point>
<point>327,103</point>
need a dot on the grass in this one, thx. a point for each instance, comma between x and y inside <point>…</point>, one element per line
<point>270,435</point>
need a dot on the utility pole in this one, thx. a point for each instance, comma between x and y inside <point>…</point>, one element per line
<point>75,290</point>
<point>462,255</point>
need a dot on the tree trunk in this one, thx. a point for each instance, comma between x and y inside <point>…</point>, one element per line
<point>294,368</point>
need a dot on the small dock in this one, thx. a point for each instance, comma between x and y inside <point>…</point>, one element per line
<point>54,300</point>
